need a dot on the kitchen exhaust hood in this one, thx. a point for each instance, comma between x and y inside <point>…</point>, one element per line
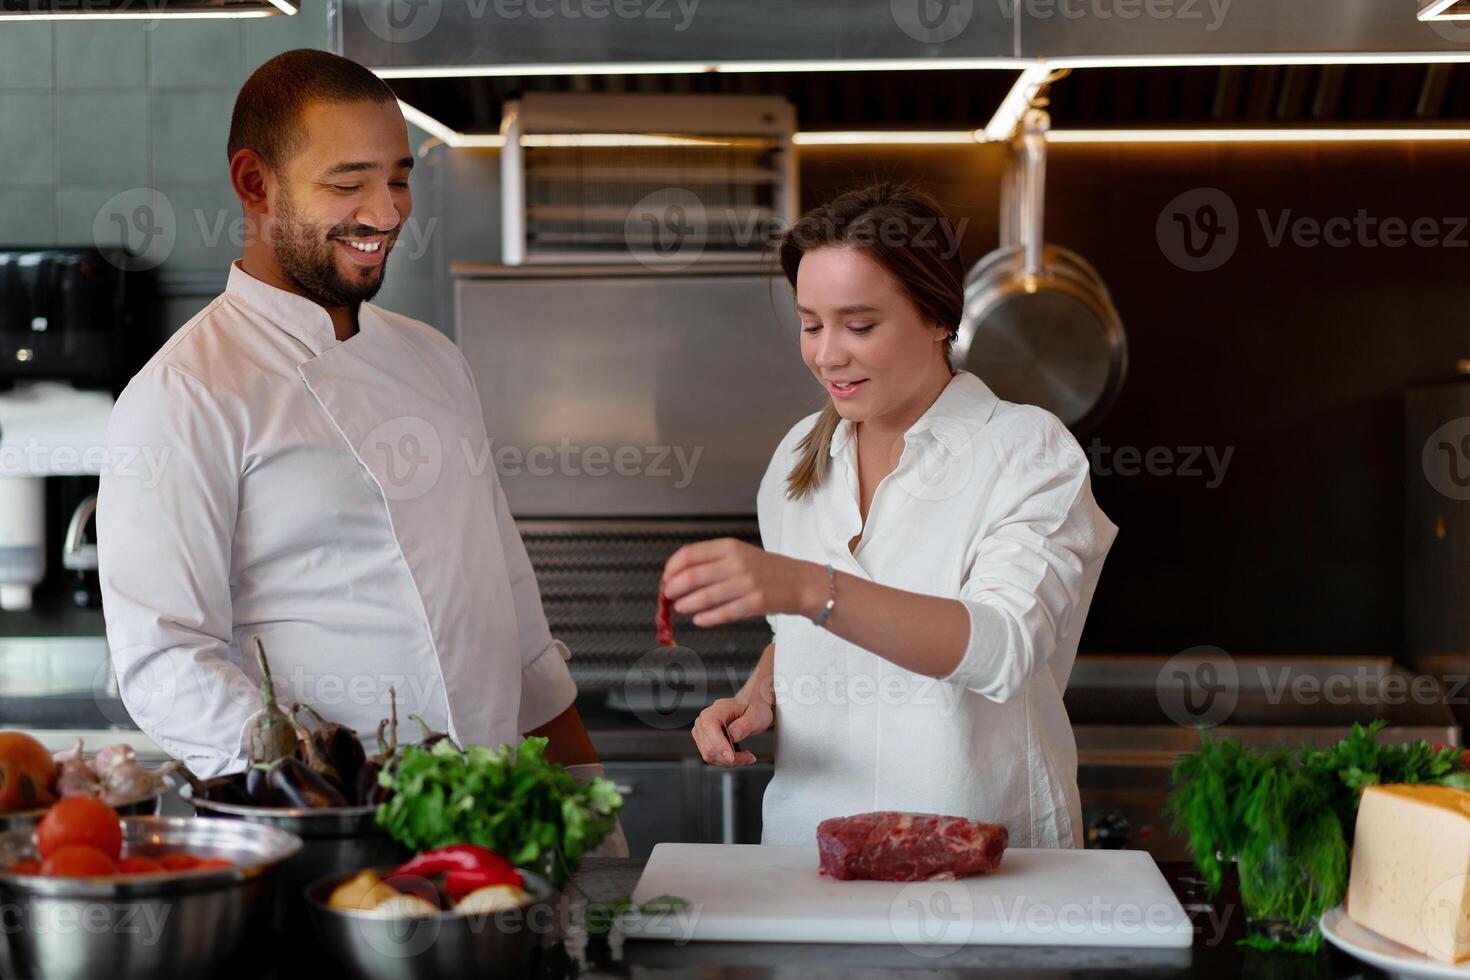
<point>522,37</point>
<point>941,70</point>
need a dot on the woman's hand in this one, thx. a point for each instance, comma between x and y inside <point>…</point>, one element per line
<point>723,580</point>
<point>736,719</point>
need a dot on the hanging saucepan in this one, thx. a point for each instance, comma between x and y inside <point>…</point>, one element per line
<point>1039,327</point>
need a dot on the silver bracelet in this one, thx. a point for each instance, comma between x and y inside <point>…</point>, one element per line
<point>821,619</point>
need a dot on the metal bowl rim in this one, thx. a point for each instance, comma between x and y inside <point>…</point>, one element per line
<point>169,785</point>
<point>280,812</point>
<point>288,845</point>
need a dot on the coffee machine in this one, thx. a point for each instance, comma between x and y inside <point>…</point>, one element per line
<point>75,325</point>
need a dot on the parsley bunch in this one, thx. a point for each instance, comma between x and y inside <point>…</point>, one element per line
<point>511,800</point>
<point>1287,817</point>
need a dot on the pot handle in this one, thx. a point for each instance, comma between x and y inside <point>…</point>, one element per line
<point>1031,148</point>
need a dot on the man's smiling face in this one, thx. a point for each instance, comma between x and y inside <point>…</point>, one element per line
<point>341,199</point>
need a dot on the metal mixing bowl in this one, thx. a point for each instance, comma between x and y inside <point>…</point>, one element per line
<point>147,806</point>
<point>186,923</point>
<point>332,839</point>
<point>373,946</point>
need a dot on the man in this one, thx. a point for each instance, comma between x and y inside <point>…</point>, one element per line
<point>319,488</point>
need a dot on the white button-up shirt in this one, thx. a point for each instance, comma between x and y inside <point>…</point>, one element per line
<point>333,498</point>
<point>990,504</point>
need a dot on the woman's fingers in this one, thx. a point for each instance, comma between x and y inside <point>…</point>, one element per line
<point>710,733</point>
<point>691,556</point>
<point>745,606</point>
<point>716,594</point>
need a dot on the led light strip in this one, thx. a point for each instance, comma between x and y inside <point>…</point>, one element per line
<point>1435,10</point>
<point>698,68</point>
<point>1307,135</point>
<point>281,7</point>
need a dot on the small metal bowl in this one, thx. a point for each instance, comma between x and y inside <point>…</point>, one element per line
<point>182,923</point>
<point>332,838</point>
<point>146,807</point>
<point>373,946</point>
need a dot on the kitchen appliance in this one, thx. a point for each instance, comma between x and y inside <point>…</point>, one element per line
<point>1437,533</point>
<point>75,324</point>
<point>1037,897</point>
<point>632,411</point>
<point>1039,326</point>
<point>657,180</point>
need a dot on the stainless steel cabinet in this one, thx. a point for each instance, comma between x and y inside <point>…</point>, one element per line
<point>689,801</point>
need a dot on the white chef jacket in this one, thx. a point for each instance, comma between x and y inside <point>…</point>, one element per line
<point>333,498</point>
<point>990,504</point>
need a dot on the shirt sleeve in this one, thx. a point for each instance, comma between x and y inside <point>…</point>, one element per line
<point>166,509</point>
<point>1029,566</point>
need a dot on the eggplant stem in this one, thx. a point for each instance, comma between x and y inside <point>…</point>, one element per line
<point>267,689</point>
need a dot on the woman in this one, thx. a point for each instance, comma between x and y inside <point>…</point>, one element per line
<point>930,555</point>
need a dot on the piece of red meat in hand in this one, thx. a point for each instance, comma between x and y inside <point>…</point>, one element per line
<point>893,846</point>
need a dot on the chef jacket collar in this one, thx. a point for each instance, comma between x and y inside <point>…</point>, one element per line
<point>966,399</point>
<point>306,320</point>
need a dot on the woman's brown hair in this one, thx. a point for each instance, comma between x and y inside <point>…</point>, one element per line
<point>907,233</point>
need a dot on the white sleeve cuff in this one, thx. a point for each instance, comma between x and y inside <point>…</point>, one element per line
<point>993,662</point>
<point>547,688</point>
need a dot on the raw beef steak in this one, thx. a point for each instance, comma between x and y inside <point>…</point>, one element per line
<point>893,846</point>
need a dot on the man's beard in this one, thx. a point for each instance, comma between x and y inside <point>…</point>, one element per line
<point>309,261</point>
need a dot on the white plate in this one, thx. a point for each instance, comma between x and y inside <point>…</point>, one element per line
<point>1370,947</point>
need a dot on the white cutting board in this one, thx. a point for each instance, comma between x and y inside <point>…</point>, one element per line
<point>1038,897</point>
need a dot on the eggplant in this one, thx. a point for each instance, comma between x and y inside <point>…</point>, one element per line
<point>333,750</point>
<point>293,783</point>
<point>269,733</point>
<point>257,786</point>
<point>369,792</point>
<point>431,738</point>
<point>221,789</point>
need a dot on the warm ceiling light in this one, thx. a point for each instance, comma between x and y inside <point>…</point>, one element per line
<point>1003,123</point>
<point>1305,58</point>
<point>699,68</point>
<point>156,10</point>
<point>878,138</point>
<point>1439,10</point>
<point>1313,135</point>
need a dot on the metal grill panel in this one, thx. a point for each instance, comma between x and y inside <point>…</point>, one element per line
<point>599,586</point>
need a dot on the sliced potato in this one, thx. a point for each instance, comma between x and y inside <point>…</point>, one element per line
<point>399,904</point>
<point>491,898</point>
<point>357,892</point>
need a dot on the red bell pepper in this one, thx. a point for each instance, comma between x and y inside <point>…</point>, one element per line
<point>466,867</point>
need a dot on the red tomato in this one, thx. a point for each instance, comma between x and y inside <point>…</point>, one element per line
<point>178,862</point>
<point>138,865</point>
<point>80,820</point>
<point>24,867</point>
<point>77,861</point>
<point>215,863</point>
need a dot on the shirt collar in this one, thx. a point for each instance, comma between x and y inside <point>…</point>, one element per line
<point>965,402</point>
<point>304,319</point>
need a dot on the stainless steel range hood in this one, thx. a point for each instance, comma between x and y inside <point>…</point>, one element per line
<point>597,36</point>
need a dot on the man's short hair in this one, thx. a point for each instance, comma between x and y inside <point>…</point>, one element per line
<point>267,116</point>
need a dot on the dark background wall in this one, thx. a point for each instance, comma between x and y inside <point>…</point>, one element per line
<point>1291,356</point>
